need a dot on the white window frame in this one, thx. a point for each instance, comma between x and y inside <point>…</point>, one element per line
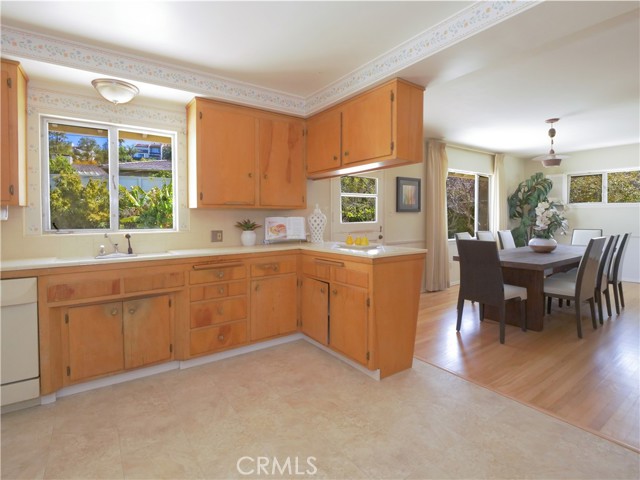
<point>114,174</point>
<point>372,230</point>
<point>476,197</point>
<point>604,187</point>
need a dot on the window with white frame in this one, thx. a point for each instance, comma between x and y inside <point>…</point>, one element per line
<point>467,202</point>
<point>609,187</point>
<point>102,177</point>
<point>358,199</point>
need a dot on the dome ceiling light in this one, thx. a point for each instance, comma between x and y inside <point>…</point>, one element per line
<point>115,91</point>
<point>551,159</point>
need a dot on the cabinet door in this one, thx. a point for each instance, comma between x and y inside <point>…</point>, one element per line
<point>281,155</point>
<point>13,130</point>
<point>367,128</point>
<point>273,306</point>
<point>147,331</point>
<point>323,141</point>
<point>226,157</point>
<point>315,309</point>
<point>348,321</point>
<point>95,340</point>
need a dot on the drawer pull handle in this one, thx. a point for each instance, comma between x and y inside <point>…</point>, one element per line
<point>212,266</point>
<point>269,266</point>
<point>221,338</point>
<point>330,263</point>
<point>114,312</point>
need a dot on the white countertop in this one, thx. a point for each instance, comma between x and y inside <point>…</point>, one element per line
<point>373,251</point>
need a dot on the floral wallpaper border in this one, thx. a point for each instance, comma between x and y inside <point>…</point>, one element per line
<point>469,21</point>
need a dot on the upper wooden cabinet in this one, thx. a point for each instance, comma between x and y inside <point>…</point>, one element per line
<point>13,144</point>
<point>378,129</point>
<point>243,157</point>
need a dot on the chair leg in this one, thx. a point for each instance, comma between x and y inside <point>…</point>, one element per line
<point>578,320</point>
<point>523,316</point>
<point>607,297</point>
<point>616,297</point>
<point>481,311</point>
<point>549,305</point>
<point>460,307</point>
<point>560,303</point>
<point>621,295</point>
<point>592,307</point>
<point>501,313</point>
<point>598,297</point>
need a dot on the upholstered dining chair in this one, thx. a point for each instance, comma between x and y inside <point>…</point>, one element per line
<point>481,281</point>
<point>485,235</point>
<point>581,236</point>
<point>602,280</point>
<point>463,236</point>
<point>581,288</point>
<point>615,273</point>
<point>506,239</point>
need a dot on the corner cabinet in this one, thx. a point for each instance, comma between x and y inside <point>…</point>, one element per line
<point>365,309</point>
<point>242,157</point>
<point>377,129</point>
<point>13,144</point>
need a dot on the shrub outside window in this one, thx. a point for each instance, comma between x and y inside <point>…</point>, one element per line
<point>467,202</point>
<point>606,187</point>
<point>107,178</point>
<point>358,199</point>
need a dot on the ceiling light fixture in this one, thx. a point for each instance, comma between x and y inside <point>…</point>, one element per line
<point>115,91</point>
<point>551,159</point>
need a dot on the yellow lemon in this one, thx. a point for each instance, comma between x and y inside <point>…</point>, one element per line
<point>358,241</point>
<point>365,241</point>
<point>349,240</point>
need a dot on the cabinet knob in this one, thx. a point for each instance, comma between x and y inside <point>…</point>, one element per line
<point>265,176</point>
<point>220,273</point>
<point>322,290</point>
<point>11,190</point>
<point>335,157</point>
<point>250,175</point>
<point>132,311</point>
<point>221,338</point>
<point>114,312</point>
<point>346,154</point>
<point>335,292</point>
<point>220,310</point>
<point>221,290</point>
<point>257,287</point>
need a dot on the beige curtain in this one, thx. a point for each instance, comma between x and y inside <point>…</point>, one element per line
<point>437,272</point>
<point>500,218</point>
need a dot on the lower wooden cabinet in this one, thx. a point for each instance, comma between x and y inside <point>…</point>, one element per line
<point>349,320</point>
<point>273,306</point>
<point>107,338</point>
<point>315,309</point>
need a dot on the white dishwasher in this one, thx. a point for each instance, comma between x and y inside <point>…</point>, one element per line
<point>19,340</point>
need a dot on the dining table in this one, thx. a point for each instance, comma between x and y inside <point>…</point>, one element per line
<point>523,267</point>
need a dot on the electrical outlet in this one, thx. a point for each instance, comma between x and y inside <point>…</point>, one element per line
<point>216,235</point>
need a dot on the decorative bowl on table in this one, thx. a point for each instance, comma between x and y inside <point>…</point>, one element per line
<point>542,245</point>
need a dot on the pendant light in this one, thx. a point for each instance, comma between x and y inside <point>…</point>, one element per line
<point>116,91</point>
<point>551,159</point>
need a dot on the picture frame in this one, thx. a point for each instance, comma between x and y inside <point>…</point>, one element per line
<point>407,194</point>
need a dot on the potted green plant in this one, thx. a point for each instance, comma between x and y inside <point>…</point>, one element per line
<point>522,206</point>
<point>248,235</point>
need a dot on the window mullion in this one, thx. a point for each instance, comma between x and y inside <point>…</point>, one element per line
<point>114,179</point>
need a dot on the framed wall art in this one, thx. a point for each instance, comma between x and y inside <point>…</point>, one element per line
<point>407,194</point>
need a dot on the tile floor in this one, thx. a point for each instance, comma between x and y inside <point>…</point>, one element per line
<point>294,402</point>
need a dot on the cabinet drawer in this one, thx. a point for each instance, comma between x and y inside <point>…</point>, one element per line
<point>351,276</point>
<point>318,267</point>
<point>210,313</point>
<point>219,290</point>
<point>206,340</point>
<point>80,287</point>
<point>152,279</point>
<point>208,273</point>
<point>274,267</point>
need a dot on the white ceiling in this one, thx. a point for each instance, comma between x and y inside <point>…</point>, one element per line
<point>490,88</point>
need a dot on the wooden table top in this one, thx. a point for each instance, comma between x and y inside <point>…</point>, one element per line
<point>526,259</point>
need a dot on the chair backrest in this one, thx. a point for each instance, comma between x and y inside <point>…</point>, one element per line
<point>506,239</point>
<point>480,272</point>
<point>463,236</point>
<point>588,269</point>
<point>581,236</point>
<point>614,272</point>
<point>605,261</point>
<point>485,235</point>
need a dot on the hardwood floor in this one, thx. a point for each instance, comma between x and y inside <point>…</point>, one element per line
<point>593,383</point>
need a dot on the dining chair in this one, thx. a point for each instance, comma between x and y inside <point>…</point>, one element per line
<point>481,281</point>
<point>602,281</point>
<point>615,272</point>
<point>463,236</point>
<point>485,235</point>
<point>581,236</point>
<point>506,239</point>
<point>581,288</point>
